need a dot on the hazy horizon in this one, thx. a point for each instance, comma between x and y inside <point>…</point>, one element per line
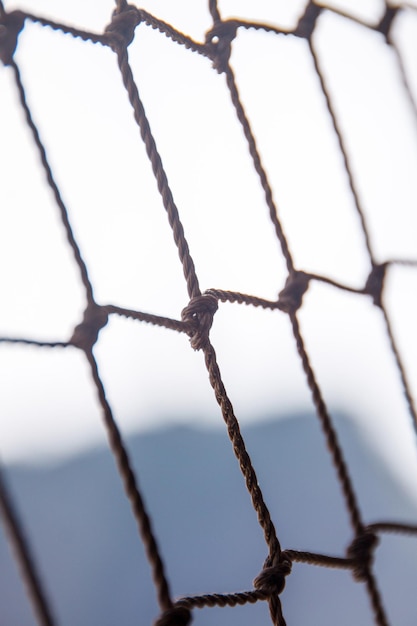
<point>48,405</point>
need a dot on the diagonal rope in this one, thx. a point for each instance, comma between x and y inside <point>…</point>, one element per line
<point>23,553</point>
<point>404,79</point>
<point>54,187</point>
<point>329,431</point>
<point>132,489</point>
<point>401,369</point>
<point>343,150</point>
<point>253,149</point>
<point>160,175</point>
<point>214,11</point>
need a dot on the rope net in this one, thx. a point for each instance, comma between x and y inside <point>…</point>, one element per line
<point>199,311</point>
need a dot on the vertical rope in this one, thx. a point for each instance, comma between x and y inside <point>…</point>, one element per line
<point>249,474</point>
<point>329,432</point>
<point>24,557</point>
<point>257,162</point>
<point>239,449</point>
<point>160,175</point>
<point>214,11</point>
<point>121,5</point>
<point>54,187</point>
<point>132,490</point>
<point>343,151</point>
<point>401,369</point>
<point>341,469</point>
<point>376,602</point>
<point>404,79</point>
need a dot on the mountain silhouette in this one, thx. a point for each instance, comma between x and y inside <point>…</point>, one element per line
<point>93,563</point>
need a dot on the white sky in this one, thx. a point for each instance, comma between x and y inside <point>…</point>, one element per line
<point>152,376</point>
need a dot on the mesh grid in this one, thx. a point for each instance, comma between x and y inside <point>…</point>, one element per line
<point>198,313</point>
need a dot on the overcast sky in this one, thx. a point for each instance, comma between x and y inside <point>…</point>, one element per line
<point>152,376</point>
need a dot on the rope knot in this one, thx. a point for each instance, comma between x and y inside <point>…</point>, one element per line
<point>177,616</point>
<point>375,283</point>
<point>198,315</point>
<point>361,551</point>
<point>272,579</point>
<point>85,334</point>
<point>10,26</point>
<point>307,22</point>
<point>386,21</point>
<point>219,40</point>
<point>290,298</point>
<point>121,29</point>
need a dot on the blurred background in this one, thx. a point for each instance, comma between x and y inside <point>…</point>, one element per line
<point>51,431</point>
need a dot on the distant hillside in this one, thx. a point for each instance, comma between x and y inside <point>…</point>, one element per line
<point>94,565</point>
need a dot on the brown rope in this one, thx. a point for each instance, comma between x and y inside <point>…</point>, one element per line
<point>198,314</point>
<point>241,298</point>
<point>149,318</point>
<point>121,29</point>
<point>132,489</point>
<point>241,454</point>
<point>404,78</point>
<point>360,552</point>
<point>214,11</point>
<point>172,33</point>
<point>268,585</point>
<point>24,557</point>
<point>176,616</point>
<point>393,527</point>
<point>364,569</point>
<point>343,150</point>
<point>159,172</point>
<point>217,599</point>
<point>329,431</point>
<point>376,600</point>
<point>77,33</point>
<point>307,22</point>
<point>53,186</point>
<point>321,560</point>
<point>34,342</point>
<point>86,334</point>
<point>374,287</point>
<point>401,369</point>
<point>257,162</point>
<point>275,556</point>
<point>385,24</point>
<point>10,26</point>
